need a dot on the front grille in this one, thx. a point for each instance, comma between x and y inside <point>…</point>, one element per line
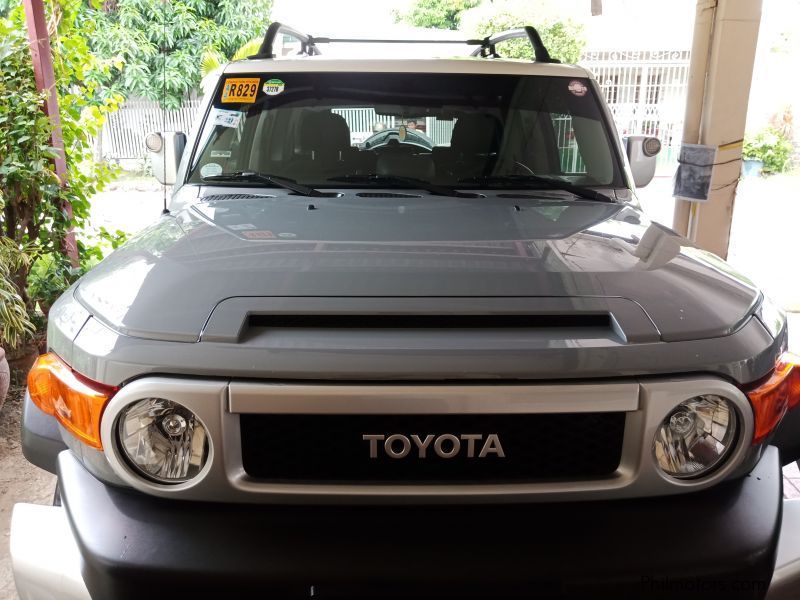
<point>330,448</point>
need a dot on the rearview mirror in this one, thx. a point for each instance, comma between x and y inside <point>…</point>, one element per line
<point>165,150</point>
<point>642,152</point>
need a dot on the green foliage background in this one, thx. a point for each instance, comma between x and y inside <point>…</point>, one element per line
<point>564,39</point>
<point>436,14</point>
<point>156,47</point>
<point>32,219</point>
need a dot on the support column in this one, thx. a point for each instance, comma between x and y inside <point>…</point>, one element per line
<point>41,54</point>
<point>723,53</point>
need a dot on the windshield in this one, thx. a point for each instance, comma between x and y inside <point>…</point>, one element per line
<point>469,130</point>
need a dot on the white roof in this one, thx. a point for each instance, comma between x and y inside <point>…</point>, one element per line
<point>477,65</point>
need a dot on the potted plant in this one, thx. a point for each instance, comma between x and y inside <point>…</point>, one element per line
<point>767,152</point>
<point>16,327</point>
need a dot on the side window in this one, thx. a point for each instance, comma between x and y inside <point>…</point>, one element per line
<point>568,151</point>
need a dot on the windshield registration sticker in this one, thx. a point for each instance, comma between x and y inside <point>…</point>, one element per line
<point>227,118</point>
<point>273,87</point>
<point>240,90</point>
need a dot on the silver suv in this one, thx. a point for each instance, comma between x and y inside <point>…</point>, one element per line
<point>469,367</point>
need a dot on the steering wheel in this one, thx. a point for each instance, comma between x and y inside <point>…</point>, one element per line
<point>523,166</point>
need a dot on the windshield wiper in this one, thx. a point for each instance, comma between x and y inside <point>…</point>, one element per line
<point>284,182</point>
<point>438,190</point>
<point>546,182</point>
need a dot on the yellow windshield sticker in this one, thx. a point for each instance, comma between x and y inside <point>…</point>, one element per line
<point>240,89</point>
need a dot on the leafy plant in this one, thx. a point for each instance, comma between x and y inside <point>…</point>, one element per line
<point>563,38</point>
<point>30,190</point>
<point>16,326</point>
<point>97,246</point>
<point>213,59</point>
<point>156,47</point>
<point>52,273</point>
<point>771,147</point>
<point>49,276</point>
<point>32,199</point>
<point>436,14</point>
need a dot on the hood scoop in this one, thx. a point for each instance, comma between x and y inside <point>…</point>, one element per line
<point>386,195</point>
<point>518,322</point>
<point>406,322</point>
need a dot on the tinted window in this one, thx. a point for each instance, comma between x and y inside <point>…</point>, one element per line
<point>443,128</point>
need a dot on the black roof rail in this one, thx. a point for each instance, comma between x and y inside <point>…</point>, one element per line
<point>540,53</point>
<point>308,43</point>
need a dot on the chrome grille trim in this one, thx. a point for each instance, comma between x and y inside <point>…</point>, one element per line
<point>272,398</point>
<point>225,480</point>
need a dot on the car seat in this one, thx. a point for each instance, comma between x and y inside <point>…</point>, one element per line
<point>322,148</point>
<point>473,148</point>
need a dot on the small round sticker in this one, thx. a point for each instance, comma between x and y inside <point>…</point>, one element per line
<point>578,88</point>
<point>273,87</point>
<point>211,169</point>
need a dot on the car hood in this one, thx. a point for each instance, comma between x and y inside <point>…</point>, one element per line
<point>166,282</point>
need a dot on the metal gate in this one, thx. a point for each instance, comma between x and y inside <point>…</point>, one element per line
<point>646,91</point>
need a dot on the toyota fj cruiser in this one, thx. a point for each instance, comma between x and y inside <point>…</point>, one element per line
<point>455,361</point>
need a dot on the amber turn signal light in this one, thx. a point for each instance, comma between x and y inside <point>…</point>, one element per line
<point>774,395</point>
<point>76,402</point>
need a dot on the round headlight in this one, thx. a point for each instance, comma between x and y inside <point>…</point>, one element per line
<point>162,440</point>
<point>695,437</point>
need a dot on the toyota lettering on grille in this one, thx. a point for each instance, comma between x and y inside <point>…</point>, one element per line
<point>447,445</point>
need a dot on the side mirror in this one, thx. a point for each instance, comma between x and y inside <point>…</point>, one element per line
<point>165,150</point>
<point>642,151</point>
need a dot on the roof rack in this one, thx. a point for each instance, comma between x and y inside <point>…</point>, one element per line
<point>540,53</point>
<point>486,46</point>
<point>307,42</point>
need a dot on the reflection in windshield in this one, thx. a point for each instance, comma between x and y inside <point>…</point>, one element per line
<point>409,219</point>
<point>447,129</point>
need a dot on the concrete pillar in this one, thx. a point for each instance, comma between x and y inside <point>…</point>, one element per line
<point>723,52</point>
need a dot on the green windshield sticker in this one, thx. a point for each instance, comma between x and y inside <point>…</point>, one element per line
<point>273,87</point>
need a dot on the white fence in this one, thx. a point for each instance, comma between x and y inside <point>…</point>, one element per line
<point>124,132</point>
<point>645,90</point>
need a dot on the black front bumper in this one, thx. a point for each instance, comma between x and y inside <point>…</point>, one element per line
<point>715,544</point>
